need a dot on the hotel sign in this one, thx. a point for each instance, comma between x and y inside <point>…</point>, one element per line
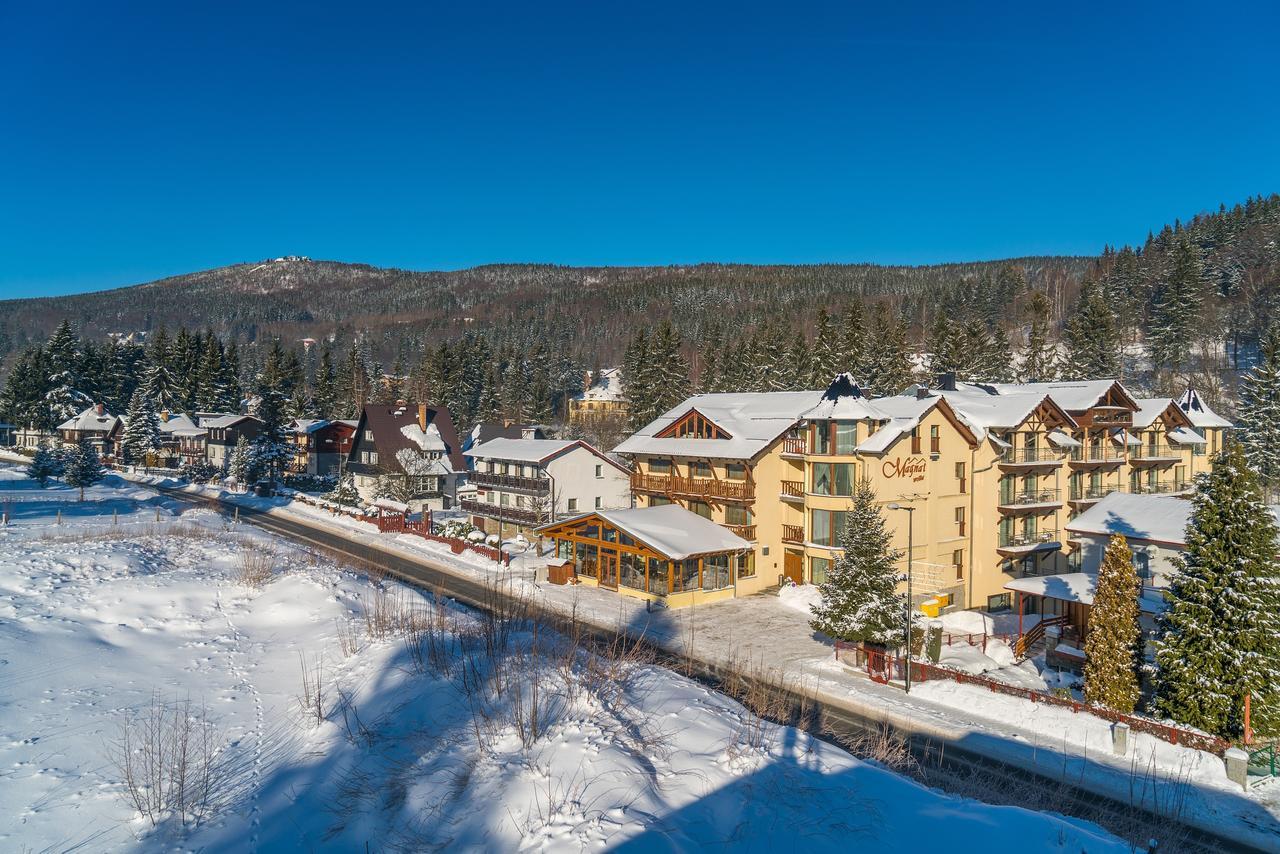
<point>911,468</point>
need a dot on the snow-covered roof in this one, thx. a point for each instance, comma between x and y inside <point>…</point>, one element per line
<point>881,440</point>
<point>416,464</point>
<point>751,419</point>
<point>1072,395</point>
<point>176,424</point>
<point>190,432</point>
<point>1186,436</point>
<point>1062,440</point>
<point>992,408</point>
<point>1068,587</point>
<point>91,421</point>
<point>607,387</point>
<point>844,400</point>
<point>216,421</point>
<point>1160,518</point>
<point>308,425</point>
<point>425,440</point>
<point>521,450</point>
<point>1198,411</point>
<point>1149,409</point>
<point>670,530</point>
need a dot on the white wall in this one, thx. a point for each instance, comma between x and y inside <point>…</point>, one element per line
<point>1161,557</point>
<point>575,477</point>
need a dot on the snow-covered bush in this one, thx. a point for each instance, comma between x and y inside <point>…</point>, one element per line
<point>199,472</point>
<point>457,529</point>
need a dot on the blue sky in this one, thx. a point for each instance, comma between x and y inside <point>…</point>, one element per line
<point>138,141</point>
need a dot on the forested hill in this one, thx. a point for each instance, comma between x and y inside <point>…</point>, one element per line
<point>597,307</point>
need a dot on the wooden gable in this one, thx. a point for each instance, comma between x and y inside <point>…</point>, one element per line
<point>693,425</point>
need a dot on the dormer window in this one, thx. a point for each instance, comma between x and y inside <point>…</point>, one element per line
<point>693,425</point>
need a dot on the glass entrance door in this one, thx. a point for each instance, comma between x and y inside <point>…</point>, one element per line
<point>609,569</point>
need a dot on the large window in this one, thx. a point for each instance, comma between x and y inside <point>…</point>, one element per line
<point>702,508</point>
<point>631,571</point>
<point>660,466</point>
<point>700,468</point>
<point>686,577</point>
<point>833,478</point>
<point>826,526</point>
<point>735,471</point>
<point>846,437</point>
<point>736,514</point>
<point>716,574</point>
<point>586,559</point>
<point>658,576</point>
<point>818,567</point>
<point>822,437</point>
<point>747,565</point>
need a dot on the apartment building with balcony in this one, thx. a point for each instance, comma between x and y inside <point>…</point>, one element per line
<point>520,484</point>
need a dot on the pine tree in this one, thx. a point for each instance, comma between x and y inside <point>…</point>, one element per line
<point>996,364</point>
<point>270,446</point>
<point>1176,309</point>
<point>1093,345</point>
<point>825,354</point>
<point>64,397</point>
<point>83,468</point>
<point>345,492</point>
<point>142,432</point>
<point>860,599</point>
<point>640,381</point>
<point>1112,646</point>
<point>797,372</point>
<point>242,463</point>
<point>853,343</point>
<point>44,465</point>
<point>1260,412</point>
<point>946,345</point>
<point>672,369</point>
<point>22,400</point>
<point>888,366</point>
<point>1039,358</point>
<point>1219,640</point>
<point>770,358</point>
<point>326,394</point>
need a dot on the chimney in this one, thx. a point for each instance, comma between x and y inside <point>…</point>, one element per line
<point>528,432</point>
<point>947,381</point>
<point>100,409</point>
<point>422,417</point>
<point>164,415</point>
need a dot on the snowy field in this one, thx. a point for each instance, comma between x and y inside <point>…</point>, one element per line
<point>426,731</point>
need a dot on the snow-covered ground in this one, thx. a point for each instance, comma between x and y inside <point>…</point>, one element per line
<point>110,609</point>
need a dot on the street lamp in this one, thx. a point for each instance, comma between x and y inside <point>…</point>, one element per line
<point>910,520</point>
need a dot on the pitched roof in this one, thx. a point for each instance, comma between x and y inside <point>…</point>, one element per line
<point>1161,518</point>
<point>608,387</point>
<point>91,421</point>
<point>216,421</point>
<point>534,450</point>
<point>1071,395</point>
<point>844,400</point>
<point>1199,412</point>
<point>670,530</point>
<point>753,420</point>
<point>396,428</point>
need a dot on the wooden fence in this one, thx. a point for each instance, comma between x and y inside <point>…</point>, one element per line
<point>400,523</point>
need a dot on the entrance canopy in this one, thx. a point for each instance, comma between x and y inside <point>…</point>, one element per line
<point>1078,587</point>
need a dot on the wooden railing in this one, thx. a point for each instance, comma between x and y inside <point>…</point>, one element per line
<point>398,523</point>
<point>518,515</point>
<point>794,488</point>
<point>794,445</point>
<point>1034,635</point>
<point>510,481</point>
<point>699,487</point>
<point>747,532</point>
<point>793,533</point>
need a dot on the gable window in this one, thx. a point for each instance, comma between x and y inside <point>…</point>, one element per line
<point>368,437</point>
<point>915,440</point>
<point>600,474</point>
<point>692,426</point>
<point>935,439</point>
<point>599,505</point>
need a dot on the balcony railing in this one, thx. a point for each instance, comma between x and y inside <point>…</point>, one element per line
<point>510,481</point>
<point>794,445</point>
<point>1029,456</point>
<point>793,488</point>
<point>1031,498</point>
<point>747,532</point>
<point>517,515</point>
<point>698,487</point>
<point>1151,453</point>
<point>793,534</point>
<point>1098,454</point>
<point>1027,539</point>
<point>1092,493</point>
<point>1164,487</point>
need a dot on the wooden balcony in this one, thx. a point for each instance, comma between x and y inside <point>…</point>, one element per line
<point>793,489</point>
<point>510,481</point>
<point>794,534</point>
<point>694,487</point>
<point>747,532</point>
<point>1037,499</point>
<point>515,515</point>
<point>795,445</point>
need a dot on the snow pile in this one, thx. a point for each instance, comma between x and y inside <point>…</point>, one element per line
<point>611,752</point>
<point>415,464</point>
<point>967,623</point>
<point>801,597</point>
<point>430,440</point>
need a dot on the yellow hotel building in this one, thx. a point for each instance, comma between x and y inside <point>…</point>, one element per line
<point>993,472</point>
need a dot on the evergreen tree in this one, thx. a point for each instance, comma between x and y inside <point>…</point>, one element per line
<point>826,356</point>
<point>161,387</point>
<point>270,447</point>
<point>888,366</point>
<point>797,372</point>
<point>22,400</point>
<point>1219,640</point>
<point>83,468</point>
<point>946,344</point>
<point>1176,311</point>
<point>142,432</point>
<point>344,493</point>
<point>326,393</point>
<point>1093,345</point>
<point>64,397</point>
<point>640,380</point>
<point>711,361</point>
<point>672,369</point>
<point>770,358</point>
<point>860,599</point>
<point>1112,648</point>
<point>44,465</point>
<point>242,463</point>
<point>853,343</point>
<point>1260,412</point>
<point>1039,358</point>
<point>996,364</point>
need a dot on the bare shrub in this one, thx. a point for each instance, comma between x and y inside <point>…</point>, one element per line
<point>312,698</point>
<point>169,758</point>
<point>348,634</point>
<point>256,566</point>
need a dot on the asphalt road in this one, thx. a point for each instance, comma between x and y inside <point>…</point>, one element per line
<point>944,766</point>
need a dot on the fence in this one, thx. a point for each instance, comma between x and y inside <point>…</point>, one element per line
<point>883,666</point>
<point>400,523</point>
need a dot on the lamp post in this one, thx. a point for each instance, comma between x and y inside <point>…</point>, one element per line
<point>910,544</point>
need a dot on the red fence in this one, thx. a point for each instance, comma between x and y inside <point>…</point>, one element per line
<point>883,666</point>
<point>401,524</point>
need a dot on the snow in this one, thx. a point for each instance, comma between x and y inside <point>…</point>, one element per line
<point>521,450</point>
<point>97,617</point>
<point>801,597</point>
<point>752,419</point>
<point>1186,436</point>
<point>1062,440</point>
<point>1199,412</point>
<point>428,440</point>
<point>670,530</point>
<point>967,623</point>
<point>1067,587</point>
<point>415,464</point>
<point>90,421</point>
<point>1149,409</point>
<point>1158,518</point>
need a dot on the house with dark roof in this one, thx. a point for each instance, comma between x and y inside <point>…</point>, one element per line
<point>411,448</point>
<point>318,446</point>
<point>223,432</point>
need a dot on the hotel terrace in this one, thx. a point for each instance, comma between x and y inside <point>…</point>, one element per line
<point>992,472</point>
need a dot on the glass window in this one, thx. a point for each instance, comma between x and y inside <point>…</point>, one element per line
<point>658,576</point>
<point>592,531</point>
<point>658,500</point>
<point>735,471</point>
<point>702,508</point>
<point>715,572</point>
<point>631,571</point>
<point>846,437</point>
<point>822,437</point>
<point>747,565</point>
<point>660,466</point>
<point>586,559</point>
<point>609,535</point>
<point>700,468</point>
<point>599,505</point>
<point>573,505</point>
<point>504,499</point>
<point>826,527</point>
<point>843,478</point>
<point>1001,602</point>
<point>687,579</point>
<point>818,567</point>
<point>564,549</point>
<point>599,470</point>
<point>821,478</point>
<point>736,514</point>
<point>625,540</point>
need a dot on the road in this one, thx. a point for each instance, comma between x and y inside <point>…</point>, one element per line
<point>948,766</point>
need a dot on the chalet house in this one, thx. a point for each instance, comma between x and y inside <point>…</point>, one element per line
<point>415,443</point>
<point>319,447</point>
<point>96,425</point>
<point>522,483</point>
<point>601,398</point>
<point>486,430</point>
<point>224,432</point>
<point>172,425</point>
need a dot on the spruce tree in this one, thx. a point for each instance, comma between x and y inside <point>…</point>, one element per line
<point>860,599</point>
<point>64,397</point>
<point>770,357</point>
<point>326,393</point>
<point>1112,645</point>
<point>270,447</point>
<point>853,343</point>
<point>44,465</point>
<point>1219,639</point>
<point>82,468</point>
<point>797,372</point>
<point>1176,309</point>
<point>888,364</point>
<point>1093,344</point>
<point>1260,412</point>
<point>945,345</point>
<point>242,463</point>
<point>639,381</point>
<point>142,430</point>
<point>1039,358</point>
<point>22,400</point>
<point>825,358</point>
